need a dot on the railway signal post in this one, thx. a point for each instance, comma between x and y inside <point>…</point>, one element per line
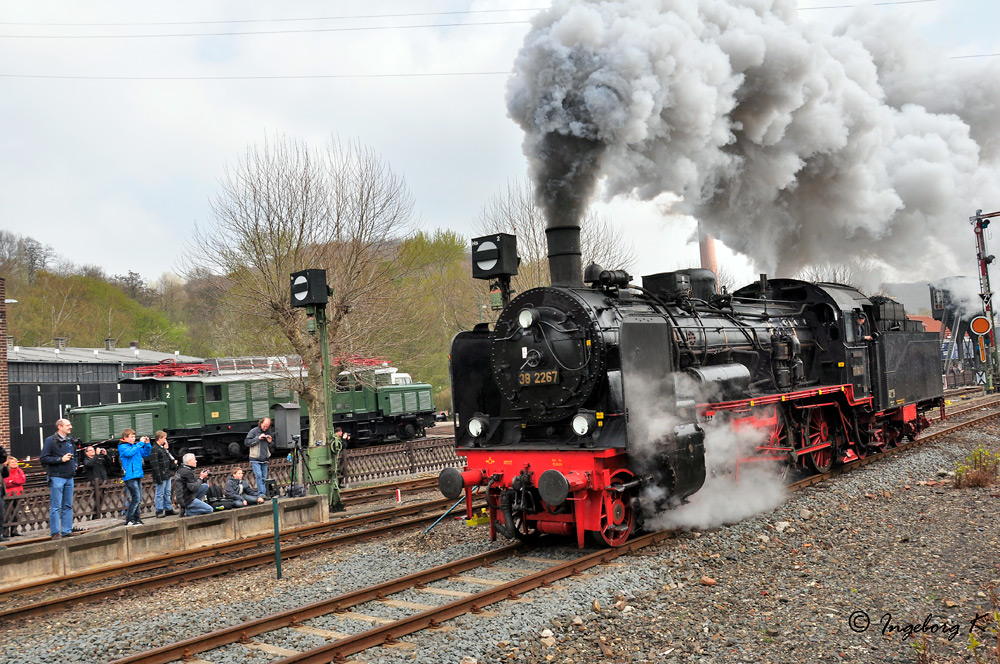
<point>494,259</point>
<point>980,223</point>
<point>309,290</point>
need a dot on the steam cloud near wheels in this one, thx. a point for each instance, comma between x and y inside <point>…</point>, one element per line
<point>793,142</point>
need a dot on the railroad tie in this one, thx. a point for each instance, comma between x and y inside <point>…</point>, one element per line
<point>271,650</point>
<point>325,633</point>
<point>445,592</point>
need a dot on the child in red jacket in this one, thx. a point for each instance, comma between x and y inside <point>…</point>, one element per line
<point>13,481</point>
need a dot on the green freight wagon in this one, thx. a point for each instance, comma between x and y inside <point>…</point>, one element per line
<point>210,415</point>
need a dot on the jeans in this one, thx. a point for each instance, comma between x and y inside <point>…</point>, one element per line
<point>134,489</point>
<point>199,506</point>
<point>60,505</point>
<point>162,500</point>
<point>260,474</point>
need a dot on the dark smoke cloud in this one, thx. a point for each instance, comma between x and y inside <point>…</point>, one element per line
<point>794,143</point>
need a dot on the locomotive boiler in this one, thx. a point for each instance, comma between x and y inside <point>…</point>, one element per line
<point>584,405</point>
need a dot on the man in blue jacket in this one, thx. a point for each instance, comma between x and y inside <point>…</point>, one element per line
<point>59,458</point>
<point>131,454</point>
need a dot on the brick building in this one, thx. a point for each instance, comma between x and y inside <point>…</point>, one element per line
<point>4,389</point>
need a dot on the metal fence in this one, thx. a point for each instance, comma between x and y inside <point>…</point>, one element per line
<point>29,512</point>
<point>955,378</point>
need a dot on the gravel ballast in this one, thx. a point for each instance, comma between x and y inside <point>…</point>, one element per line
<point>893,542</point>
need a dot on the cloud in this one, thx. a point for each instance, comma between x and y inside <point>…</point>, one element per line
<point>790,141</point>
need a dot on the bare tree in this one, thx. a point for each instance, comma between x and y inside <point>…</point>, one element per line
<point>286,206</point>
<point>726,280</point>
<point>862,274</point>
<point>513,210</point>
<point>23,257</point>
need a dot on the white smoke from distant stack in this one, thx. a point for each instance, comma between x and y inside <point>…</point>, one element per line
<point>790,142</point>
<point>964,293</point>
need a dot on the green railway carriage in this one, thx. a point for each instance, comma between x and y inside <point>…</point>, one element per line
<point>107,422</point>
<point>378,405</point>
<point>210,415</point>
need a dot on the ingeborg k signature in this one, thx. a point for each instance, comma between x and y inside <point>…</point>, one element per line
<point>860,622</point>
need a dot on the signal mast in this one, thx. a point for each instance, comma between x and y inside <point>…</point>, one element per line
<point>980,223</point>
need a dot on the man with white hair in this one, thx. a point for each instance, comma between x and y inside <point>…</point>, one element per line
<point>59,458</point>
<point>191,490</point>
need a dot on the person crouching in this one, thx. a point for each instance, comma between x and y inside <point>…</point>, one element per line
<point>191,490</point>
<point>239,493</point>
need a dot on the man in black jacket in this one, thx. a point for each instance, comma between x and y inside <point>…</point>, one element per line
<point>163,464</point>
<point>190,489</point>
<point>98,464</point>
<point>59,458</point>
<point>259,442</point>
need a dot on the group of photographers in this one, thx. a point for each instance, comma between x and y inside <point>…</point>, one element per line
<point>175,481</point>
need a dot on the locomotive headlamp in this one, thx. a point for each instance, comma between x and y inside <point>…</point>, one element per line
<point>527,317</point>
<point>477,426</point>
<point>584,423</point>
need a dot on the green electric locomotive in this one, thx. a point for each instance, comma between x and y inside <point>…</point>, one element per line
<point>211,415</point>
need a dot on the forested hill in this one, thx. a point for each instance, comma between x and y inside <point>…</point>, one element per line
<point>200,315</point>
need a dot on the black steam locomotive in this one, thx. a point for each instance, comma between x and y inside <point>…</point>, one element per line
<point>585,396</point>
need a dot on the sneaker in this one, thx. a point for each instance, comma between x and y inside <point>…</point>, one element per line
<point>138,522</point>
<point>160,514</point>
<point>169,513</point>
<point>56,536</point>
<point>131,523</point>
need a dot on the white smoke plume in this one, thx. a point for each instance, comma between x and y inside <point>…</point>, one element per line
<point>792,142</point>
<point>722,499</point>
<point>727,496</point>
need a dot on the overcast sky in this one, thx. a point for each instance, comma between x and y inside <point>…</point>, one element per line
<point>113,167</point>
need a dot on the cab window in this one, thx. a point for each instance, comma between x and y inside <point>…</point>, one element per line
<point>213,393</point>
<point>192,392</point>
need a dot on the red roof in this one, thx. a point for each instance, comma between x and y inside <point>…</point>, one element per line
<point>930,325</point>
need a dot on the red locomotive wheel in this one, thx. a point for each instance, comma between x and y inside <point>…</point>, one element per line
<point>777,436</point>
<point>817,433</point>
<point>617,515</point>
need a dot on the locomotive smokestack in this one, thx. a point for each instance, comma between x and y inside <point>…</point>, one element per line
<point>565,260</point>
<point>566,174</point>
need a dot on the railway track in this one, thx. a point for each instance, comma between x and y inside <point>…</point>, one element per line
<point>244,554</point>
<point>514,559</point>
<point>351,498</point>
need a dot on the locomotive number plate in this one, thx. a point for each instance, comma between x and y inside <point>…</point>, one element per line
<point>538,377</point>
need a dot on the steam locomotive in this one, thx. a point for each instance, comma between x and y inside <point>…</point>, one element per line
<point>584,406</point>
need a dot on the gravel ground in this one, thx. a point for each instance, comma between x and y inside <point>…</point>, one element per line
<point>777,587</point>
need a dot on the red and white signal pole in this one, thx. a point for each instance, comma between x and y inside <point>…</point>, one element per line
<point>980,223</point>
